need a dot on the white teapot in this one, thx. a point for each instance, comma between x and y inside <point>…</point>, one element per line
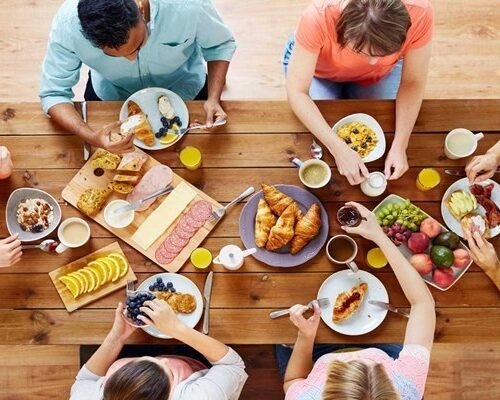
<point>231,257</point>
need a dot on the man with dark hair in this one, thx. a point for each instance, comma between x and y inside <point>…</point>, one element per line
<point>130,45</point>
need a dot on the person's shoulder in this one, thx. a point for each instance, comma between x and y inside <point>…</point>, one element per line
<point>67,15</point>
<point>418,7</point>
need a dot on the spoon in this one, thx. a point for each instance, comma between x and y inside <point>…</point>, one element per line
<point>316,150</point>
<point>48,245</point>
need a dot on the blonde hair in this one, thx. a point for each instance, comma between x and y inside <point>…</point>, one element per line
<point>355,380</point>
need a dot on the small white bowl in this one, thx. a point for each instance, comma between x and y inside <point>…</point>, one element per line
<point>372,123</point>
<point>121,220</point>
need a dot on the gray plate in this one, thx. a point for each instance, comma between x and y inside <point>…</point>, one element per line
<point>283,258</point>
<point>19,195</point>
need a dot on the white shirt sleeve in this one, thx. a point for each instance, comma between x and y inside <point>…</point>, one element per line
<point>87,386</point>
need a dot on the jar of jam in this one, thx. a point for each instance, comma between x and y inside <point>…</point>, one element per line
<point>348,216</point>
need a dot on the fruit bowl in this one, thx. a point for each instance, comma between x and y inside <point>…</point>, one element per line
<point>443,273</point>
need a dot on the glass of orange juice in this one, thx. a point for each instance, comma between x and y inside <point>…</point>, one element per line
<point>201,258</point>
<point>190,157</point>
<point>375,258</point>
<point>428,179</point>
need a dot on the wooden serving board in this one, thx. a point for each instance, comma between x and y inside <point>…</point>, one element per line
<point>86,179</point>
<point>73,304</point>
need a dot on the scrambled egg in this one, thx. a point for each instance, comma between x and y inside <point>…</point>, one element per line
<point>358,137</point>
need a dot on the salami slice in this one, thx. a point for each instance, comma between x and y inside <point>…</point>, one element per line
<point>171,247</point>
<point>179,241</point>
<point>164,257</point>
<point>192,222</point>
<point>183,231</point>
<point>201,210</point>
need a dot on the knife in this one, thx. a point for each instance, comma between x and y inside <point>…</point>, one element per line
<point>389,307</point>
<point>136,204</point>
<point>86,147</point>
<point>461,172</point>
<point>207,291</point>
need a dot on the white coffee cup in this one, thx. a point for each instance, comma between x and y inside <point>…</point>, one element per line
<point>69,242</point>
<point>349,261</point>
<point>304,165</point>
<point>463,138</point>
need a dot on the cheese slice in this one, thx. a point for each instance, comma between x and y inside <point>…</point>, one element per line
<point>165,214</point>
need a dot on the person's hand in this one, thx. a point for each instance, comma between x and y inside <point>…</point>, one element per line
<point>214,112</point>
<point>107,141</point>
<point>307,327</point>
<point>162,317</point>
<point>6,165</point>
<point>349,163</point>
<point>10,251</point>
<point>396,163</point>
<point>369,227</point>
<point>482,252</point>
<point>120,330</point>
<point>481,167</point>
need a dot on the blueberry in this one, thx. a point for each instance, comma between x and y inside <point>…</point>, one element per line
<point>177,120</point>
<point>159,280</point>
<point>172,290</point>
<point>158,135</point>
<point>170,284</point>
<point>151,287</point>
<point>163,120</point>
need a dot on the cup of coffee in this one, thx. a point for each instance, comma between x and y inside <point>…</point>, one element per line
<point>460,143</point>
<point>342,249</point>
<point>72,233</point>
<point>313,173</point>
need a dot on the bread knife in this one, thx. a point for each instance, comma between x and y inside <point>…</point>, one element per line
<point>207,292</point>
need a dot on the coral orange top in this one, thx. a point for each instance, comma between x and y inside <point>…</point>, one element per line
<point>316,33</point>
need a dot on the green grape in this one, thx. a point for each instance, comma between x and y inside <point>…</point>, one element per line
<point>405,212</point>
<point>385,222</point>
<point>394,214</point>
<point>412,226</point>
<point>390,207</point>
<point>405,224</point>
<point>399,221</point>
<point>379,215</point>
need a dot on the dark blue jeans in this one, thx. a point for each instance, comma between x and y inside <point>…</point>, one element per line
<point>283,353</point>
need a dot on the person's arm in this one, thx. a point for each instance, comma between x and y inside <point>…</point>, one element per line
<point>483,253</point>
<point>6,165</point>
<point>422,322</point>
<point>10,251</point>
<point>217,71</point>
<point>484,166</point>
<point>408,103</point>
<point>298,81</point>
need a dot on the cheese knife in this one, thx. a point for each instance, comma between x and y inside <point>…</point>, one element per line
<point>389,307</point>
<point>207,292</point>
<point>86,147</point>
<point>136,204</point>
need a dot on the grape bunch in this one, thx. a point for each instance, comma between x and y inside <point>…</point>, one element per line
<point>160,286</point>
<point>134,303</point>
<point>397,233</point>
<point>406,214</point>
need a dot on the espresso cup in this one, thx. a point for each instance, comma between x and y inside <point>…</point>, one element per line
<point>71,239</point>
<point>305,165</point>
<point>468,138</point>
<point>349,262</point>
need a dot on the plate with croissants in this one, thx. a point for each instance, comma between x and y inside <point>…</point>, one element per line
<point>287,224</point>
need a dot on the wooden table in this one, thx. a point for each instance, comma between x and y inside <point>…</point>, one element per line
<point>253,147</point>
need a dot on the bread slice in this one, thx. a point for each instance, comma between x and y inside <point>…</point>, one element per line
<point>130,179</point>
<point>132,162</point>
<point>105,160</point>
<point>347,303</point>
<point>460,203</point>
<point>121,187</point>
<point>476,223</point>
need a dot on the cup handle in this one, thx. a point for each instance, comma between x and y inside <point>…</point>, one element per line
<point>248,252</point>
<point>353,266</point>
<point>478,136</point>
<point>61,248</point>
<point>298,163</point>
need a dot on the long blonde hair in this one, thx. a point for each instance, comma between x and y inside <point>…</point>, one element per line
<point>355,380</point>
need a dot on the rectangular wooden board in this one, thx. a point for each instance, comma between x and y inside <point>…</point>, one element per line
<point>86,179</point>
<point>69,301</point>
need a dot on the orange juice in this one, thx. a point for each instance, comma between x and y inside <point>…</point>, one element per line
<point>190,157</point>
<point>201,258</point>
<point>375,258</point>
<point>428,179</point>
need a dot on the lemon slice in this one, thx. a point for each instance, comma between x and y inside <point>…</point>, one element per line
<point>109,266</point>
<point>102,268</point>
<point>92,278</point>
<point>122,261</point>
<point>71,284</point>
<point>116,269</point>
<point>81,280</point>
<point>100,276</point>
<point>169,138</point>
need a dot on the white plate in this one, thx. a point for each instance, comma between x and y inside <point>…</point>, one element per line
<point>183,285</point>
<point>371,122</point>
<point>463,184</point>
<point>368,317</point>
<point>147,100</point>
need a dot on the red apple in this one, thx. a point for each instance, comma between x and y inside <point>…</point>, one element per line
<point>422,263</point>
<point>462,258</point>
<point>430,227</point>
<point>443,277</point>
<point>418,242</point>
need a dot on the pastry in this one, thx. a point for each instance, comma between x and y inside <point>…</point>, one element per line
<point>184,303</point>
<point>264,221</point>
<point>133,108</point>
<point>121,187</point>
<point>91,201</point>
<point>278,201</point>
<point>132,162</point>
<point>282,232</point>
<point>460,203</point>
<point>347,303</point>
<point>306,229</point>
<point>105,160</point>
<point>476,223</point>
<point>139,125</point>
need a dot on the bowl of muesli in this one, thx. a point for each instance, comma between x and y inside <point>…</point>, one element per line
<point>32,214</point>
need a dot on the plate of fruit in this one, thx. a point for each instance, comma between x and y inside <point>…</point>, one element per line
<point>178,291</point>
<point>474,207</point>
<point>436,253</point>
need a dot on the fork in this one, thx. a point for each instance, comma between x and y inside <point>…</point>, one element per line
<point>183,131</point>
<point>322,303</point>
<point>220,212</point>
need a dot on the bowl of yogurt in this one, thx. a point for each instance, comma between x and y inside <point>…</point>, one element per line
<point>121,219</point>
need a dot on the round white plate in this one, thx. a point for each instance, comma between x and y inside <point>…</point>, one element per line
<point>463,184</point>
<point>147,100</point>
<point>371,122</point>
<point>183,285</point>
<point>368,317</point>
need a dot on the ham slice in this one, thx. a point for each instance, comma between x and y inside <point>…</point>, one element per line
<point>153,180</point>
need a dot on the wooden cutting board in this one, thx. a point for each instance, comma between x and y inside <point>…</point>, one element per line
<point>73,304</point>
<point>87,178</point>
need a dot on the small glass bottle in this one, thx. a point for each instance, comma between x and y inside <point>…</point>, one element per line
<point>375,185</point>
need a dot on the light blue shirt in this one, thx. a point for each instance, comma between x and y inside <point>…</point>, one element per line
<point>182,33</point>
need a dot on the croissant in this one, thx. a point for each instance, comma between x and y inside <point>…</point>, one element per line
<point>264,221</point>
<point>306,229</point>
<point>139,124</point>
<point>133,108</point>
<point>278,201</point>
<point>282,232</point>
